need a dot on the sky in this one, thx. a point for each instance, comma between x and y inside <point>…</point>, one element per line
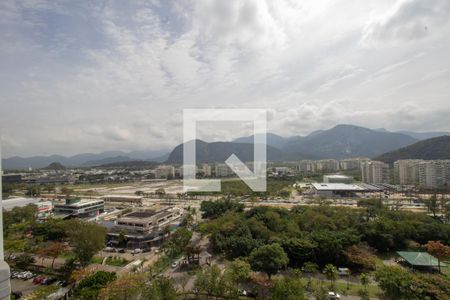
<point>89,76</point>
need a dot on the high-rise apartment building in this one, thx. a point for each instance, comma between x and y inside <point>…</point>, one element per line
<point>406,171</point>
<point>375,172</point>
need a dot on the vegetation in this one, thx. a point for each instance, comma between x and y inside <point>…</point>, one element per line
<point>287,288</point>
<point>90,286</point>
<point>85,238</point>
<point>214,209</point>
<point>268,259</point>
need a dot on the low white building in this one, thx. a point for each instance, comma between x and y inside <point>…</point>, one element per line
<point>336,178</point>
<point>336,189</point>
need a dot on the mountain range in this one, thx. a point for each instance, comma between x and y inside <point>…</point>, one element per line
<point>84,159</point>
<point>434,148</point>
<point>341,141</point>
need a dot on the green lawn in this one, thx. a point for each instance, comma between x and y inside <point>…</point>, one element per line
<point>341,287</point>
<point>97,260</point>
<point>67,255</point>
<point>116,261</point>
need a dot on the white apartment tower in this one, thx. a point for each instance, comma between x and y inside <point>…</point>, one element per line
<point>375,172</point>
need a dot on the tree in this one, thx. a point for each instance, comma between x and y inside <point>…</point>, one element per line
<point>364,279</point>
<point>239,270</point>
<point>287,288</point>
<point>53,250</point>
<point>187,221</point>
<point>125,287</point>
<point>210,282</point>
<point>23,261</point>
<point>268,259</point>
<point>299,250</point>
<point>214,209</point>
<point>85,238</point>
<point>122,239</point>
<point>432,205</point>
<point>90,286</point>
<point>33,190</point>
<point>396,283</point>
<point>236,273</point>
<point>178,241</point>
<point>331,273</point>
<point>361,256</point>
<point>160,192</point>
<point>67,191</point>
<point>310,268</point>
<point>160,288</point>
<point>439,250</point>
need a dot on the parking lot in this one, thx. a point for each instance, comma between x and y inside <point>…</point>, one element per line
<point>24,286</point>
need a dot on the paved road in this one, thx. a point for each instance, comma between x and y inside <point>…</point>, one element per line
<point>24,286</point>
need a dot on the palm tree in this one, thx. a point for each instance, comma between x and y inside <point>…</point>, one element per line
<point>364,279</point>
<point>310,268</point>
<point>331,273</point>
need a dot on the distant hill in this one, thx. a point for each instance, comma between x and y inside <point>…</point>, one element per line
<point>83,159</point>
<point>344,141</point>
<point>341,141</point>
<point>425,135</point>
<point>55,166</point>
<point>219,152</point>
<point>132,164</point>
<point>434,148</point>
<point>272,139</point>
<point>108,160</point>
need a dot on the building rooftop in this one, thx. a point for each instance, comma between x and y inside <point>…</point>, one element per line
<point>337,187</point>
<point>419,259</point>
<point>141,214</point>
<point>338,176</point>
<point>79,203</point>
<point>144,215</point>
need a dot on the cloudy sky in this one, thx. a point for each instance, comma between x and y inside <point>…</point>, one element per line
<point>88,76</point>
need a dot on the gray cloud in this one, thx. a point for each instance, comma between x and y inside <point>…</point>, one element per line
<point>84,76</point>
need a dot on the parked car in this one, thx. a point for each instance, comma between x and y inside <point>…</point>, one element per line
<point>344,271</point>
<point>62,283</point>
<point>174,265</point>
<point>48,281</point>
<point>121,250</point>
<point>333,295</point>
<point>25,275</point>
<point>14,274</point>
<point>39,279</point>
<point>136,251</point>
<point>109,249</point>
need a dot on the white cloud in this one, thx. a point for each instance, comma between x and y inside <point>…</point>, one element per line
<point>87,76</point>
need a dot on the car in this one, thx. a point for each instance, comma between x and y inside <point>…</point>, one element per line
<point>333,295</point>
<point>121,250</point>
<point>39,279</point>
<point>48,281</point>
<point>25,275</point>
<point>14,274</point>
<point>344,271</point>
<point>136,251</point>
<point>109,249</point>
<point>174,265</point>
<point>62,283</point>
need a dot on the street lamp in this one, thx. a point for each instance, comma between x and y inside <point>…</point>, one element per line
<point>5,285</point>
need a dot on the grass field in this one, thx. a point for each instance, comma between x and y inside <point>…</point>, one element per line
<point>344,288</point>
